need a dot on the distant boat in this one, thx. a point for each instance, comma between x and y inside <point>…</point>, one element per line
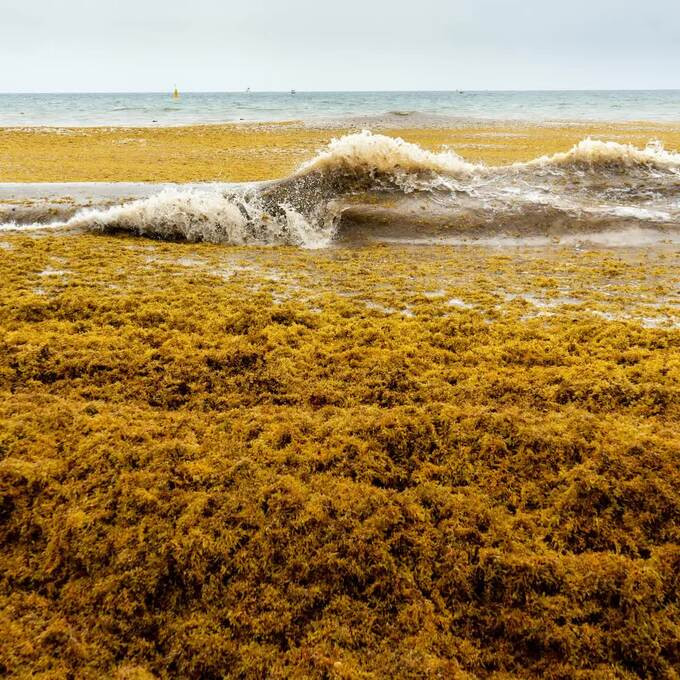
<point>247,89</point>
<point>293,92</point>
<point>175,94</point>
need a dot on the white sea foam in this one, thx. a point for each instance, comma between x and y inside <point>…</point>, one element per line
<point>199,215</point>
<point>596,153</point>
<point>539,201</point>
<point>173,213</point>
<point>622,238</point>
<point>373,154</point>
<point>616,238</point>
<point>32,226</point>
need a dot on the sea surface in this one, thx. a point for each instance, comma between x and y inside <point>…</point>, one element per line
<point>142,109</point>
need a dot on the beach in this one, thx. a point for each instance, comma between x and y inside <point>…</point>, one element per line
<point>395,410</point>
<point>243,152</point>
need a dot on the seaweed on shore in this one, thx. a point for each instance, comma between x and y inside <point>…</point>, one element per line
<point>367,463</point>
<point>248,152</point>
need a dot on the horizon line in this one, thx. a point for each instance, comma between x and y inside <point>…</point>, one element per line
<point>361,91</point>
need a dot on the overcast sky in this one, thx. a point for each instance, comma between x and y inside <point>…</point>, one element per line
<point>217,45</point>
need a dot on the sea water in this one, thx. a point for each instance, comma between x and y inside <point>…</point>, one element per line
<point>142,109</point>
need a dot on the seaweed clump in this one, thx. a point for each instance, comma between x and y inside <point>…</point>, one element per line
<point>272,463</point>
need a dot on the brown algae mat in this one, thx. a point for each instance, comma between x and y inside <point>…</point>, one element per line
<point>248,152</point>
<point>381,462</point>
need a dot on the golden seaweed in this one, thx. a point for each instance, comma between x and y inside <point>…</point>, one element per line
<point>351,463</point>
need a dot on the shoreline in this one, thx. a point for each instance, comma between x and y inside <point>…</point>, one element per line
<point>387,120</point>
<point>391,120</point>
<point>243,152</point>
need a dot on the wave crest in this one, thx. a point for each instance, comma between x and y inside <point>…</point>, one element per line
<point>198,215</point>
<point>609,155</point>
<point>370,153</point>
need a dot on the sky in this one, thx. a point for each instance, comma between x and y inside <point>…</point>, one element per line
<point>222,45</point>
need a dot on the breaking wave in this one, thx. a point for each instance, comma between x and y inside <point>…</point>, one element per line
<point>373,154</point>
<point>371,186</point>
<point>196,215</point>
<point>609,155</point>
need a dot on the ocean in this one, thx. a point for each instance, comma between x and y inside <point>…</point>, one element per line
<point>145,109</point>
